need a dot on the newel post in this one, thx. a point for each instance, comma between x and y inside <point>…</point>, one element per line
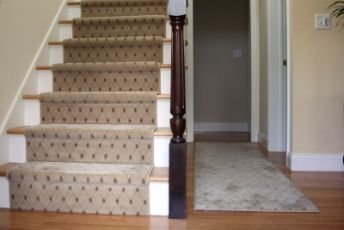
<point>177,169</point>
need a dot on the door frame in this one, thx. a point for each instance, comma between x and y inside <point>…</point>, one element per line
<point>254,75</point>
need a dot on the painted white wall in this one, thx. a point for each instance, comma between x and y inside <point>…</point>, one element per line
<point>20,39</point>
<point>222,80</point>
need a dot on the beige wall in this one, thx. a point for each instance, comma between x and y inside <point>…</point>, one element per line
<point>263,67</point>
<point>317,82</point>
<point>23,25</point>
<point>221,81</point>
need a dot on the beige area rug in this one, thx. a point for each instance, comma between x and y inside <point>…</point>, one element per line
<point>237,177</point>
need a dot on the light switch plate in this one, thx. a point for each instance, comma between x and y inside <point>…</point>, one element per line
<point>323,21</point>
<point>237,53</point>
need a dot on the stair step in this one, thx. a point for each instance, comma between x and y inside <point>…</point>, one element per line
<point>60,43</point>
<point>158,174</point>
<point>37,96</point>
<point>70,22</point>
<point>81,187</point>
<point>101,8</point>
<point>113,49</point>
<point>159,132</point>
<point>114,144</point>
<point>138,25</point>
<point>48,67</point>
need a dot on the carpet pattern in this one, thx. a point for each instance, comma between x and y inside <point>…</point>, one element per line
<point>93,151</point>
<point>108,77</point>
<point>237,177</point>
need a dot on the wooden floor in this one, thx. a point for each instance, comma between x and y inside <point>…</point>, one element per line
<point>326,190</point>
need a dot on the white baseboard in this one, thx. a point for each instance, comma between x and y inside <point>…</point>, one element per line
<point>221,127</point>
<point>316,162</point>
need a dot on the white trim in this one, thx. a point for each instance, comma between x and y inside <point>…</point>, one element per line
<point>189,58</point>
<point>275,77</point>
<point>5,193</point>
<point>317,162</point>
<point>289,80</point>
<point>221,127</point>
<point>31,68</point>
<point>254,11</point>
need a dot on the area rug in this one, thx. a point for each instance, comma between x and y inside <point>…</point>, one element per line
<point>237,177</point>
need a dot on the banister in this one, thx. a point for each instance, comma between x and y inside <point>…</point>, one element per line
<point>178,147</point>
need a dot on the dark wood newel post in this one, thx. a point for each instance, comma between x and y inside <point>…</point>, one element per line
<point>177,169</point>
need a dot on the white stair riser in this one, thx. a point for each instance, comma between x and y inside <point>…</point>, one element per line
<point>73,12</point>
<point>45,81</point>
<point>66,31</point>
<point>56,54</point>
<point>17,150</point>
<point>163,113</point>
<point>161,151</point>
<point>5,193</point>
<point>32,112</point>
<point>158,198</point>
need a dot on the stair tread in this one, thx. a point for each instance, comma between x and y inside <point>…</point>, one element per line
<point>159,174</point>
<point>59,43</point>
<point>37,96</point>
<point>4,168</point>
<point>21,130</point>
<point>118,18</point>
<point>97,172</point>
<point>48,67</point>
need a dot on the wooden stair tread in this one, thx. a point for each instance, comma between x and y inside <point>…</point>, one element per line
<point>159,132</point>
<point>76,3</point>
<point>159,174</point>
<point>4,168</point>
<point>16,130</point>
<point>48,67</point>
<point>163,132</point>
<point>36,96</point>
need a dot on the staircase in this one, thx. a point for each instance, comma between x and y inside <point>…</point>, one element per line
<point>96,131</point>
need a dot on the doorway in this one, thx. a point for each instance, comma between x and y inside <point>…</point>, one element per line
<point>222,66</point>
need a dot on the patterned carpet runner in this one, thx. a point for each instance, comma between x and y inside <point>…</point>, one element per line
<point>93,151</point>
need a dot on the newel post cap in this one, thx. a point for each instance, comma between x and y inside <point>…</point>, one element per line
<point>177,7</point>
